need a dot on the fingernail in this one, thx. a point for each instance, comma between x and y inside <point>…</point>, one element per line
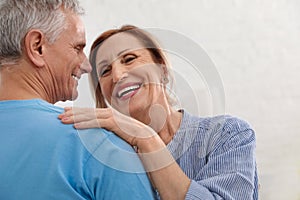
<point>65,118</point>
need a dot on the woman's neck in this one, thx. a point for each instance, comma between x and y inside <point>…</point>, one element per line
<point>171,125</point>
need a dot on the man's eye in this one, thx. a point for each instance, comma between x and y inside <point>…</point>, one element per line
<point>78,49</point>
<point>127,59</point>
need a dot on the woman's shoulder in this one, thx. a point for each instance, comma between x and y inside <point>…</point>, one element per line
<point>224,126</point>
<point>223,132</point>
<point>211,134</point>
<point>227,122</point>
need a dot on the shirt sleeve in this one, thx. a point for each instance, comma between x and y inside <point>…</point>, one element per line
<point>230,168</point>
<point>114,170</point>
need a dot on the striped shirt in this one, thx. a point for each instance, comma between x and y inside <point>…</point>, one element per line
<point>218,155</point>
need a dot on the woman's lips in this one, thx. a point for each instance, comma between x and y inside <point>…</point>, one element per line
<point>128,90</point>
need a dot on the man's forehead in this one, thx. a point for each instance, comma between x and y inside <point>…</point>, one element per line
<point>75,29</point>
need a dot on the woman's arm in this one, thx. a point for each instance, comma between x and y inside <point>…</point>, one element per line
<point>165,174</point>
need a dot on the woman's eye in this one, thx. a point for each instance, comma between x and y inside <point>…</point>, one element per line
<point>127,59</point>
<point>104,71</point>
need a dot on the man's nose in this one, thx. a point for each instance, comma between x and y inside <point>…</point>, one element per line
<point>85,65</point>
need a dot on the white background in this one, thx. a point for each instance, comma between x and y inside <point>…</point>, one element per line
<point>255,46</point>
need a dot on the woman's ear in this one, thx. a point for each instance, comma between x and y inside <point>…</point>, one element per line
<point>33,44</point>
<point>165,74</point>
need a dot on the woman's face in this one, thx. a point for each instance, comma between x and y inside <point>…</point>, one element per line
<point>130,80</point>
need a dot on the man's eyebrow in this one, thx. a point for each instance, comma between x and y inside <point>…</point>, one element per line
<point>83,44</point>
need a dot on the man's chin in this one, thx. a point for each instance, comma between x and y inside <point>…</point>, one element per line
<point>74,94</point>
<point>72,97</point>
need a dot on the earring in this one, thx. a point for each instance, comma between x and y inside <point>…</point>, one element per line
<point>165,80</point>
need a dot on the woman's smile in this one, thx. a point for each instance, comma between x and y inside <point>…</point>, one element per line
<point>128,90</point>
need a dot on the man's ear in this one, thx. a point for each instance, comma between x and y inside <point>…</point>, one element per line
<point>34,44</point>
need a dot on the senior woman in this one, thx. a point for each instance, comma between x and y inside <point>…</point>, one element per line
<point>187,157</point>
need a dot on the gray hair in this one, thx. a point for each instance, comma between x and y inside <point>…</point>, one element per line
<point>17,17</point>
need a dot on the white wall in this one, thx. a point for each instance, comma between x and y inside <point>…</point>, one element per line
<point>255,46</point>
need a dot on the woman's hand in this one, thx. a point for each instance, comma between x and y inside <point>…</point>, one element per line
<point>129,129</point>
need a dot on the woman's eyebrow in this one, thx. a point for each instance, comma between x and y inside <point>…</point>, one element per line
<point>120,53</point>
<point>101,63</point>
<point>105,61</point>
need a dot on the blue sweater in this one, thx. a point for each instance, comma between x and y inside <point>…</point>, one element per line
<point>41,158</point>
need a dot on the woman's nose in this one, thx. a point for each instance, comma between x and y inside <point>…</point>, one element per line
<point>118,71</point>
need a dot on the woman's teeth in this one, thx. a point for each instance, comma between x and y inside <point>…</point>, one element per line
<point>128,90</point>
